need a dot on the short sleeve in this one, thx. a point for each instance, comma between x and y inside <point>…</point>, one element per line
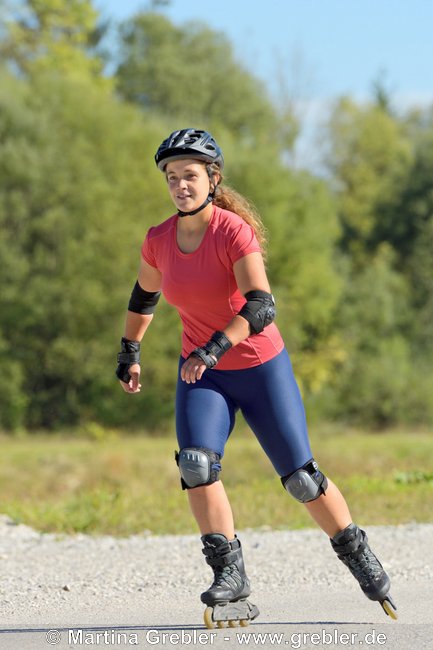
<point>242,242</point>
<point>147,250</point>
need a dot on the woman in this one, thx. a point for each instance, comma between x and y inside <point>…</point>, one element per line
<point>207,261</point>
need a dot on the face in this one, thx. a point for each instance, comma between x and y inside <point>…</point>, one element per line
<point>188,183</point>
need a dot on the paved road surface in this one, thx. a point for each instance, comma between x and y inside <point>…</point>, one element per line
<point>143,592</point>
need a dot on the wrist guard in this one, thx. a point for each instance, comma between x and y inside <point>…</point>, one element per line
<point>214,349</point>
<point>130,354</point>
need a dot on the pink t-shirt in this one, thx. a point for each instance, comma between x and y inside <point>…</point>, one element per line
<point>202,286</point>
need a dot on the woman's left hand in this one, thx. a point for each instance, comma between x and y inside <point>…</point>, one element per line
<point>192,369</point>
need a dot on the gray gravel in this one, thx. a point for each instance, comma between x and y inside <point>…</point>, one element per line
<point>145,582</point>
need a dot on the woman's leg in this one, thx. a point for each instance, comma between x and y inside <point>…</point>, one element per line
<point>330,511</point>
<point>272,405</point>
<point>204,419</point>
<point>274,410</point>
<point>211,508</point>
<point>205,416</point>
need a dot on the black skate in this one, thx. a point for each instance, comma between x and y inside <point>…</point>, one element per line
<point>351,546</point>
<point>226,598</point>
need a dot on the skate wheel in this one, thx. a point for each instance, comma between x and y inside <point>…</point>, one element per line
<point>233,623</point>
<point>208,618</point>
<point>389,608</point>
<point>222,624</point>
<point>244,622</point>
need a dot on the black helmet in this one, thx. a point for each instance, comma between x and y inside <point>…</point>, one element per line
<point>189,143</point>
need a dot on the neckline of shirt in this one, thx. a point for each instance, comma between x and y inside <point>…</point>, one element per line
<point>206,234</point>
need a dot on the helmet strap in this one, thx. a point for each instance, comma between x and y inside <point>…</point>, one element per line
<point>199,209</point>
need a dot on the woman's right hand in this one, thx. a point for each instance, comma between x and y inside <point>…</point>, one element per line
<point>133,386</point>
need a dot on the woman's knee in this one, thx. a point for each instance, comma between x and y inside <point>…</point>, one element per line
<point>198,466</point>
<point>307,483</point>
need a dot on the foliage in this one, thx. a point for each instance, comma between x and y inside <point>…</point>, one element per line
<point>406,217</point>
<point>371,382</point>
<point>383,169</point>
<point>72,167</point>
<point>350,256</point>
<point>52,35</point>
<point>370,156</point>
<point>189,72</point>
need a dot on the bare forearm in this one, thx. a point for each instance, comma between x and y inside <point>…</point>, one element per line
<point>136,325</point>
<point>237,330</point>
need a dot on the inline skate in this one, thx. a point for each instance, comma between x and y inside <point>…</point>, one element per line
<point>351,546</point>
<point>226,598</point>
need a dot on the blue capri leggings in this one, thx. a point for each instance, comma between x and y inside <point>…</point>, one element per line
<point>269,399</point>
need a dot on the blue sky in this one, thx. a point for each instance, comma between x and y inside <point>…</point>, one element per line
<point>327,47</point>
<point>322,49</point>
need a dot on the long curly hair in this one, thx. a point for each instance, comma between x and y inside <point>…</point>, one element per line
<point>228,199</point>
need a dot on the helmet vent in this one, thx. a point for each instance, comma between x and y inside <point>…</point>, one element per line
<point>189,143</point>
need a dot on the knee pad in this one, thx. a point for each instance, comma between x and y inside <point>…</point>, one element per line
<point>307,483</point>
<point>197,466</point>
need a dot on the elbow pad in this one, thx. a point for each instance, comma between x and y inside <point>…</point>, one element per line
<point>259,310</point>
<point>143,302</point>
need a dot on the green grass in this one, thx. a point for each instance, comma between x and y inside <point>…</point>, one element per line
<point>126,485</point>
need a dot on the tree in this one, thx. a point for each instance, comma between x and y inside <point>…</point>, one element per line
<point>370,156</point>
<point>420,273</point>
<point>410,209</point>
<point>407,224</point>
<point>189,74</point>
<point>76,198</point>
<point>372,385</point>
<point>382,168</point>
<point>52,35</point>
<point>382,95</point>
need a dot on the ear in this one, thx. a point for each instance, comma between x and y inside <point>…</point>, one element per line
<point>216,179</point>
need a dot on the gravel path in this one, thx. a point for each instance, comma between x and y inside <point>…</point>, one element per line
<point>144,583</point>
